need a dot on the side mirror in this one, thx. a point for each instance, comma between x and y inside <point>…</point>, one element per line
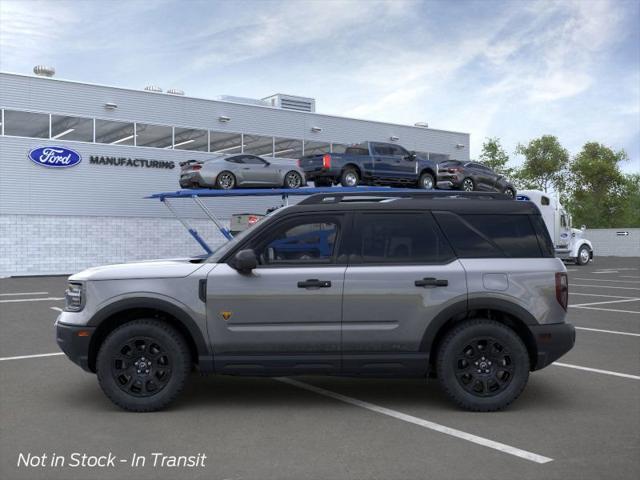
<point>411,156</point>
<point>244,261</point>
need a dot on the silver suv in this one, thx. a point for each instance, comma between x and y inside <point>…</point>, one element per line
<point>462,287</point>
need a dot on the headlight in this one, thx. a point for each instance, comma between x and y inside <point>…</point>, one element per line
<point>73,297</point>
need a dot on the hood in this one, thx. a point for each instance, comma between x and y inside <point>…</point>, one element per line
<point>169,268</point>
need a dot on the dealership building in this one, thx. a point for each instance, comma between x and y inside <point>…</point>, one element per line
<point>127,144</point>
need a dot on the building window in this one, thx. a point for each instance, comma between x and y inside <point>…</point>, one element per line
<point>287,148</point>
<point>26,124</point>
<point>316,148</point>
<point>225,143</point>
<point>258,145</point>
<point>191,139</point>
<point>157,136</point>
<point>71,128</point>
<point>115,133</point>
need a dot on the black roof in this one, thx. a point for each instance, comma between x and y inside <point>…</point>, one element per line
<point>457,202</point>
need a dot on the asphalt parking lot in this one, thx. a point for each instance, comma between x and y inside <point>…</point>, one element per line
<point>579,418</point>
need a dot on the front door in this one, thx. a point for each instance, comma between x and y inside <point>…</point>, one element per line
<point>285,316</point>
<point>401,274</point>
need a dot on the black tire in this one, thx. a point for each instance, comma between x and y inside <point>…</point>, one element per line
<point>349,177</point>
<point>491,347</point>
<point>583,255</point>
<point>468,185</point>
<point>322,182</point>
<point>149,384</point>
<point>426,181</point>
<point>225,180</point>
<point>510,192</point>
<point>293,180</point>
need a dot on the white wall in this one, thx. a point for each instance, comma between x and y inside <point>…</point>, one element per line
<point>607,242</point>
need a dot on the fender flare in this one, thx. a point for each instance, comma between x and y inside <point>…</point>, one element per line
<point>203,352</point>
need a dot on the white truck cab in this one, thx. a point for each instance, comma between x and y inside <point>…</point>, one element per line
<point>569,242</point>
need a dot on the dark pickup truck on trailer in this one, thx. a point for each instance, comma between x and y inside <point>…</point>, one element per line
<point>370,163</point>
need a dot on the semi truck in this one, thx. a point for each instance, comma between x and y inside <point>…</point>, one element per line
<point>570,243</point>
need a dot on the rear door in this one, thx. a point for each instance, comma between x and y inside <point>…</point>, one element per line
<point>402,273</point>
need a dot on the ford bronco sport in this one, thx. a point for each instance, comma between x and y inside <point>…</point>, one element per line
<point>463,287</point>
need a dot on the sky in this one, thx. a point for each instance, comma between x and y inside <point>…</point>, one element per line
<point>509,69</point>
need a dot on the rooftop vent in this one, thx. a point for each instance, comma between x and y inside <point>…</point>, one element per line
<point>175,91</point>
<point>245,100</point>
<point>421,124</point>
<point>291,102</point>
<point>153,88</point>
<point>44,71</point>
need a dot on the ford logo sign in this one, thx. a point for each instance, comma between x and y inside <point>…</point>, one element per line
<point>55,157</point>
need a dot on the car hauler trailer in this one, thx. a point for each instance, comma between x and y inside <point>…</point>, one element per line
<point>569,242</point>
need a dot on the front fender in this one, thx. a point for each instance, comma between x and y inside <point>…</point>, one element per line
<point>579,243</point>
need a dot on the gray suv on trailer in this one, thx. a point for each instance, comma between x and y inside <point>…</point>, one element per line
<point>462,287</point>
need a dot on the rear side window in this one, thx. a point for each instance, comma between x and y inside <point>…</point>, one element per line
<point>356,151</point>
<point>485,236</point>
<point>398,238</point>
<point>544,239</point>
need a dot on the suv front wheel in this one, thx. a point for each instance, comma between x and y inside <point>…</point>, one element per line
<point>143,365</point>
<point>482,365</point>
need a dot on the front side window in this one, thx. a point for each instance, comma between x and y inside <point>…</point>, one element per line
<point>253,160</point>
<point>306,241</point>
<point>398,151</point>
<point>398,238</point>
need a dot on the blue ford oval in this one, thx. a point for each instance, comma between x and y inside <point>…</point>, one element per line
<point>55,157</point>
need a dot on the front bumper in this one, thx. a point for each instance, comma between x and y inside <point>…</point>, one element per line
<point>552,342</point>
<point>74,341</point>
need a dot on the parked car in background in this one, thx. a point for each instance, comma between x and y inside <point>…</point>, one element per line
<point>470,176</point>
<point>244,170</point>
<point>569,243</point>
<point>370,163</point>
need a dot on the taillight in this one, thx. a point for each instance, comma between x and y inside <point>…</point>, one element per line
<point>326,161</point>
<point>562,289</point>
<point>196,167</point>
<point>299,162</point>
<point>454,170</point>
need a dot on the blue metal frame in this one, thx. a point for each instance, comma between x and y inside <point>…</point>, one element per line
<point>196,194</point>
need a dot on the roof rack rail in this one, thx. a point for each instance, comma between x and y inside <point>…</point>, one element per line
<point>378,196</point>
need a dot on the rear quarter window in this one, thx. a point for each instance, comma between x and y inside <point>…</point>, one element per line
<point>492,235</point>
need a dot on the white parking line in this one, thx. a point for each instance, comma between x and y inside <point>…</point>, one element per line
<point>23,293</point>
<point>632,299</point>
<point>23,357</point>
<point>485,442</point>
<point>607,280</point>
<point>597,295</point>
<point>608,309</point>
<point>629,276</point>
<point>31,299</point>
<point>608,331</point>
<point>597,370</point>
<point>608,271</point>
<point>57,309</point>
<point>603,286</point>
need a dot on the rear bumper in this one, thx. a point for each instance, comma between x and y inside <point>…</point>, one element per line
<point>552,341</point>
<point>189,180</point>
<point>74,346</point>
<point>313,173</point>
<point>448,181</point>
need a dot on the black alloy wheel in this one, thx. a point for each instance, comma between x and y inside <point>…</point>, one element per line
<point>482,365</point>
<point>143,365</point>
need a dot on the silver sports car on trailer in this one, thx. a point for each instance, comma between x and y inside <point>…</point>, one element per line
<point>244,170</point>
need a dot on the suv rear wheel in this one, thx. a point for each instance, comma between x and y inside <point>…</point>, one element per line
<point>143,365</point>
<point>468,185</point>
<point>482,365</point>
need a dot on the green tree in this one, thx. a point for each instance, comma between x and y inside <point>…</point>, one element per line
<point>600,194</point>
<point>495,157</point>
<point>630,216</point>
<point>545,164</point>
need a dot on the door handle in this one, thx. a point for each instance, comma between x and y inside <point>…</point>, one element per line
<point>246,168</point>
<point>431,282</point>
<point>314,283</point>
